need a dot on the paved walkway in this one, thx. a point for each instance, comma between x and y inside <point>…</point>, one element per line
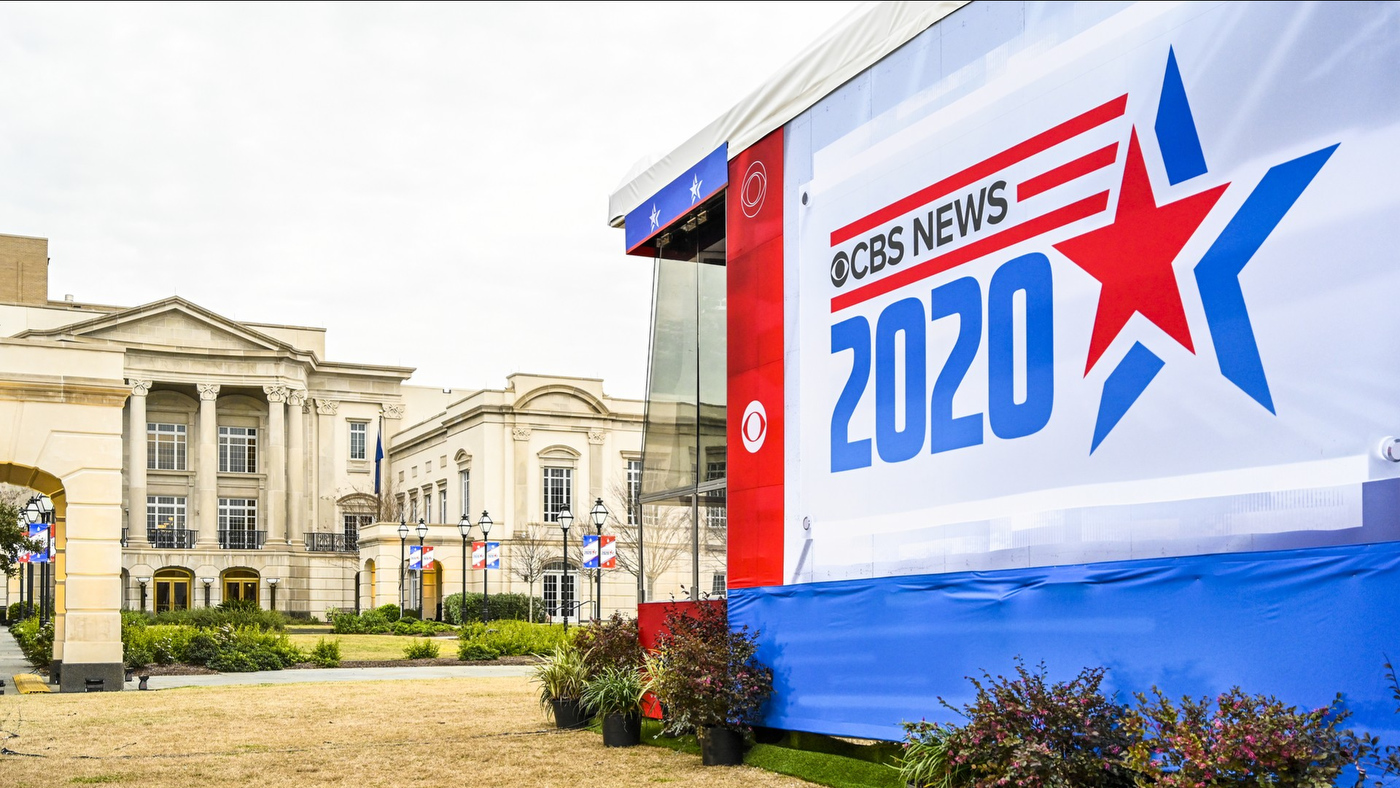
<point>12,660</point>
<point>337,674</point>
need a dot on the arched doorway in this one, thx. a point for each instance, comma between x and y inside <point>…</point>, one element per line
<point>372,599</point>
<point>431,591</point>
<point>173,589</point>
<point>561,592</point>
<point>241,585</point>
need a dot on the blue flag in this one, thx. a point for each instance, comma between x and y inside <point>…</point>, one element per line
<point>378,455</point>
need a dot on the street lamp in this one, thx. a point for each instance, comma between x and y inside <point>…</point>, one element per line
<point>40,510</point>
<point>485,523</point>
<point>143,581</point>
<point>422,532</point>
<point>272,585</point>
<point>599,513</point>
<point>403,542</point>
<point>464,527</point>
<point>566,519</point>
<point>31,517</point>
<point>208,583</point>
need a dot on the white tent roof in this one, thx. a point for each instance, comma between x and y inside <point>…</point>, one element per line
<point>853,45</point>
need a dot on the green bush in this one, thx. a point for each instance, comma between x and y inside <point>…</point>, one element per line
<point>16,612</point>
<point>36,642</point>
<point>511,638</point>
<point>168,643</point>
<point>235,615</point>
<point>421,649</point>
<point>373,622</point>
<point>389,612</point>
<point>514,607</point>
<point>469,650</point>
<point>248,649</point>
<point>612,642</point>
<point>327,653</point>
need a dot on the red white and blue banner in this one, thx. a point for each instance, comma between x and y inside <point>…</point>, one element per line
<point>1072,340</point>
<point>599,552</point>
<point>676,199</point>
<point>478,555</point>
<point>415,558</point>
<point>493,556</point>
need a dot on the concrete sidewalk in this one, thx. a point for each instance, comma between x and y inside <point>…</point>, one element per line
<point>12,660</point>
<point>315,675</point>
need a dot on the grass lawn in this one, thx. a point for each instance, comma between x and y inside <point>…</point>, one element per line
<point>460,732</point>
<point>821,768</point>
<point>370,646</point>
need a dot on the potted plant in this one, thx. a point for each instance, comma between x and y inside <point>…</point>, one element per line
<point>615,695</point>
<point>561,677</point>
<point>709,681</point>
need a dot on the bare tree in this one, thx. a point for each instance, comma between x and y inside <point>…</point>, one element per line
<point>529,556</point>
<point>665,529</point>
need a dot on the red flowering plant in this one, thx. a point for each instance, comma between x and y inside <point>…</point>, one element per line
<point>1027,732</point>
<point>1243,740</point>
<point>705,674</point>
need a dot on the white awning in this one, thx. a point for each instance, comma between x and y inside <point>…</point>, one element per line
<point>851,46</point>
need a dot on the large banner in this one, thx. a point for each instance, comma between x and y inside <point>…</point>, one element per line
<point>1128,292</point>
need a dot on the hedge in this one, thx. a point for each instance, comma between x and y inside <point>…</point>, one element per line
<point>515,607</point>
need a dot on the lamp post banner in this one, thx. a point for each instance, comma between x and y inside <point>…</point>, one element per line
<point>415,558</point>
<point>1084,352</point>
<point>39,532</point>
<point>590,551</point>
<point>607,552</point>
<point>427,557</point>
<point>493,555</point>
<point>478,555</point>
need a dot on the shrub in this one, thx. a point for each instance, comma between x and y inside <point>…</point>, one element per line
<point>36,642</point>
<point>247,649</point>
<point>925,761</point>
<point>512,638</point>
<point>389,613</point>
<point>1243,740</point>
<point>236,614</point>
<point>504,607</point>
<point>616,689</point>
<point>611,642</point>
<point>168,643</point>
<point>560,676</point>
<point>1025,731</point>
<point>421,649</point>
<point>326,653</point>
<point>470,650</point>
<point>204,646</point>
<point>706,675</point>
<point>239,605</point>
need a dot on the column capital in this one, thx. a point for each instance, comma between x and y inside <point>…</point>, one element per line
<point>392,411</point>
<point>597,436</point>
<point>520,433</point>
<point>327,407</point>
<point>208,392</point>
<point>297,397</point>
<point>275,394</point>
<point>139,388</point>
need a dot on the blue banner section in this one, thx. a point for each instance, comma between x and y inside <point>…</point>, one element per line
<point>1301,625</point>
<point>590,551</point>
<point>676,198</point>
<point>415,558</point>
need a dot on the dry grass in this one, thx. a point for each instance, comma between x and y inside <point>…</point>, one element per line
<point>467,732</point>
<point>371,647</point>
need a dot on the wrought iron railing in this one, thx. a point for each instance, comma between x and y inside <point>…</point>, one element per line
<point>333,543</point>
<point>172,538</point>
<point>239,539</point>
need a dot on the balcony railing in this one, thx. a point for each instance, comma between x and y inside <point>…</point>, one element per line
<point>242,540</point>
<point>172,538</point>
<point>333,543</point>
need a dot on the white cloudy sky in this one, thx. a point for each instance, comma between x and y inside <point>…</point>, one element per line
<point>429,182</point>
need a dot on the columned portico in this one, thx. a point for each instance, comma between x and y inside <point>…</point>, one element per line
<point>136,459</point>
<point>326,410</point>
<point>296,466</point>
<point>207,476</point>
<point>277,464</point>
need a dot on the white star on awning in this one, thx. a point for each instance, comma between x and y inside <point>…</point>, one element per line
<point>695,190</point>
<point>655,217</point>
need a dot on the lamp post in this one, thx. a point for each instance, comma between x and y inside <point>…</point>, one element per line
<point>422,532</point>
<point>464,527</point>
<point>272,586</point>
<point>208,583</point>
<point>485,523</point>
<point>143,581</point>
<point>31,516</point>
<point>566,519</point>
<point>599,512</point>
<point>403,546</point>
<point>40,510</point>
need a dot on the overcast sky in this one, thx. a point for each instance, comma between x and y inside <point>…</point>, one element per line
<point>427,182</point>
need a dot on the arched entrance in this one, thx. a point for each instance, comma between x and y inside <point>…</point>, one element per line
<point>372,582</point>
<point>432,591</point>
<point>174,588</point>
<point>240,585</point>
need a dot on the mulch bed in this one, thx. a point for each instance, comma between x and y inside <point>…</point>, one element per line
<point>179,669</point>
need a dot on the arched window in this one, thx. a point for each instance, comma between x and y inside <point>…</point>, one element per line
<point>560,592</point>
<point>241,585</point>
<point>173,589</point>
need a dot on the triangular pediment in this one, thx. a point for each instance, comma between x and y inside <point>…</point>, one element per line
<point>173,322</point>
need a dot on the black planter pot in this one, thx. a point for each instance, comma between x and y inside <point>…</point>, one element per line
<point>622,730</point>
<point>568,713</point>
<point>721,747</point>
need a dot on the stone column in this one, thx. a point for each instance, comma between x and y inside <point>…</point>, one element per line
<point>277,464</point>
<point>296,465</point>
<point>207,475</point>
<point>136,461</point>
<point>596,439</point>
<point>520,452</point>
<point>325,492</point>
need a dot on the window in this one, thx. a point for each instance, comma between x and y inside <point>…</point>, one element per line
<point>172,589</point>
<point>427,505</point>
<point>241,585</point>
<point>634,492</point>
<point>559,605</point>
<point>354,522</point>
<point>466,477</point>
<point>413,508</point>
<point>442,504</point>
<point>165,512</point>
<point>401,503</point>
<point>238,524</point>
<point>359,434</point>
<point>165,447</point>
<point>238,450</point>
<point>716,514</point>
<point>558,492</point>
<point>717,587</point>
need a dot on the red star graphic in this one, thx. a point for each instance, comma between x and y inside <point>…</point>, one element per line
<point>1132,258</point>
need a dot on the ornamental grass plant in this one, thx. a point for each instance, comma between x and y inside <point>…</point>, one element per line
<point>615,689</point>
<point>562,675</point>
